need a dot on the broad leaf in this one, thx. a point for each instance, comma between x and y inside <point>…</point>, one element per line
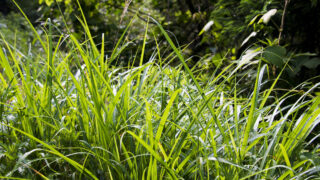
<point>275,55</point>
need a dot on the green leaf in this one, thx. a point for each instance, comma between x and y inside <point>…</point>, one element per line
<point>154,154</point>
<point>75,164</point>
<point>165,115</point>
<point>275,55</point>
<point>311,63</point>
<point>254,19</point>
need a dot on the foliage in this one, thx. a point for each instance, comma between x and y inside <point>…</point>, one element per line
<point>231,19</point>
<point>238,25</point>
<point>67,112</point>
<point>17,31</point>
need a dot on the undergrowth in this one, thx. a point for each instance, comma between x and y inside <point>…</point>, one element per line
<point>71,114</point>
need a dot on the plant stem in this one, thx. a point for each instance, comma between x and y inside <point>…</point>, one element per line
<point>282,20</point>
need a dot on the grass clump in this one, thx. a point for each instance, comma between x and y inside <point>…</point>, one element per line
<point>71,114</point>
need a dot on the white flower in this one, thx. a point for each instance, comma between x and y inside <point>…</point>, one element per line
<point>207,27</point>
<point>267,16</point>
<point>253,34</point>
<point>248,56</point>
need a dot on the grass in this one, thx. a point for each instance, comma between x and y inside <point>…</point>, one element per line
<point>71,114</point>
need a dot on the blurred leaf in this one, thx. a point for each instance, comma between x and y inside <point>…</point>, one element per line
<point>314,2</point>
<point>248,56</point>
<point>217,24</point>
<point>311,63</point>
<point>49,2</point>
<point>254,19</point>
<point>253,34</point>
<point>275,55</point>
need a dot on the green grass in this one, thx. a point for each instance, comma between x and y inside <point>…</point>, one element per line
<point>71,114</point>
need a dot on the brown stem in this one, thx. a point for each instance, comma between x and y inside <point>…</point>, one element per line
<point>282,20</point>
<point>139,13</point>
<point>125,9</point>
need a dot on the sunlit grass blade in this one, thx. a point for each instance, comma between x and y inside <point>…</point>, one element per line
<point>31,25</point>
<point>165,116</point>
<point>286,158</point>
<point>87,30</point>
<point>251,117</point>
<point>54,151</point>
<point>154,154</point>
<point>218,123</point>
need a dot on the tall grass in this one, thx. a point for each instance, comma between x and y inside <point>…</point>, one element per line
<point>70,114</point>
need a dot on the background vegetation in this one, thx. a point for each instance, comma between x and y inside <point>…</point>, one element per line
<point>220,89</point>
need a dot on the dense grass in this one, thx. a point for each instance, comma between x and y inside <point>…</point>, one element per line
<point>71,114</point>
